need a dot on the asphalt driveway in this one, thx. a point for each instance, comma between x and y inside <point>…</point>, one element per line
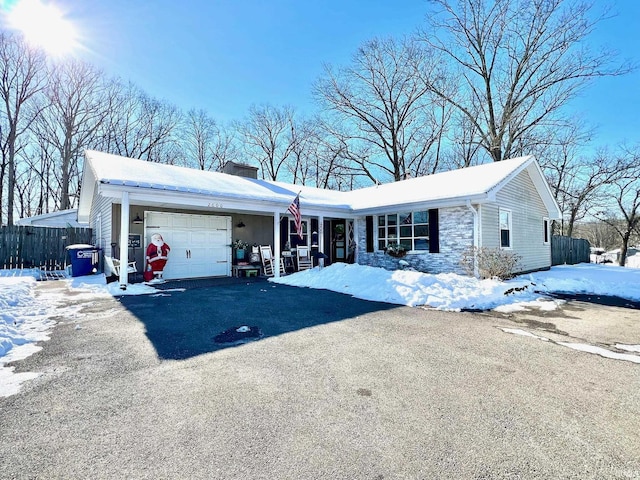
<point>337,388</point>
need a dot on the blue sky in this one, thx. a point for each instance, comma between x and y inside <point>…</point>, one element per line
<point>224,55</point>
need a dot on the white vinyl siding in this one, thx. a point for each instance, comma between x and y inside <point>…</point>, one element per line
<point>102,211</point>
<point>527,213</point>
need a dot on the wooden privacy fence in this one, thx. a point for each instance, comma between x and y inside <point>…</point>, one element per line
<point>567,250</point>
<point>39,247</point>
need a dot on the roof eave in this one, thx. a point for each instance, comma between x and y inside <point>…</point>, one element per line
<point>213,201</point>
<point>412,206</point>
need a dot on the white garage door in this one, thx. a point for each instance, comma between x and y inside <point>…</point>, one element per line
<point>200,244</point>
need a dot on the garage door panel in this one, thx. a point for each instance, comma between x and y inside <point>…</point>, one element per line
<point>181,222</point>
<point>199,222</point>
<point>200,237</point>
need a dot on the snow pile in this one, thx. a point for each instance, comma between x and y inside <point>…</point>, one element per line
<point>26,320</point>
<point>23,322</point>
<point>456,292</point>
<point>446,291</point>
<point>589,278</point>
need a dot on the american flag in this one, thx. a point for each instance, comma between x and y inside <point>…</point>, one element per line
<point>294,208</point>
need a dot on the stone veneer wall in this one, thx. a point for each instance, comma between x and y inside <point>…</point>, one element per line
<point>456,234</point>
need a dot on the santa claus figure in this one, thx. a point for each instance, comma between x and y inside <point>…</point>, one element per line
<point>157,254</point>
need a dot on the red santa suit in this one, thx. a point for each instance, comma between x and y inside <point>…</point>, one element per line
<point>157,255</point>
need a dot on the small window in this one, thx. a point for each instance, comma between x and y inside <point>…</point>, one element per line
<point>505,229</point>
<point>546,225</point>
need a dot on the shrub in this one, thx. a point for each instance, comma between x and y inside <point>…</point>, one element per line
<point>396,250</point>
<point>491,262</point>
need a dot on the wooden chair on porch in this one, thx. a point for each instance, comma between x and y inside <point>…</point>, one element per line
<point>303,258</point>
<point>113,265</point>
<point>266,254</point>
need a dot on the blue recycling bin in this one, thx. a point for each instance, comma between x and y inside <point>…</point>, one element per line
<point>85,259</point>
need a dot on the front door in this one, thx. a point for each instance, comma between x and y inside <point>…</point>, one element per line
<point>338,241</point>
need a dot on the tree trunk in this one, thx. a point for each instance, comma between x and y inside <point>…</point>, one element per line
<point>11,174</point>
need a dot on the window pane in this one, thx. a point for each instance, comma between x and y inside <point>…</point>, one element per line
<point>545,224</point>
<point>405,218</point>
<point>421,217</point>
<point>505,240</point>
<point>405,231</point>
<point>393,232</point>
<point>392,219</point>
<point>381,244</point>
<point>381,221</point>
<point>421,244</point>
<point>381,233</point>
<point>504,220</point>
<point>421,230</point>
<point>406,243</point>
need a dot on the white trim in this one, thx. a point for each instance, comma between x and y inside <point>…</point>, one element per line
<point>276,244</point>
<point>510,212</point>
<point>476,236</point>
<point>124,240</point>
<point>546,231</point>
<point>399,226</point>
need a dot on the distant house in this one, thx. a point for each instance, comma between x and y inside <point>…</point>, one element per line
<point>59,219</point>
<point>506,205</point>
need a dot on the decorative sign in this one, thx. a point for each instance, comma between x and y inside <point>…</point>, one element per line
<point>135,240</point>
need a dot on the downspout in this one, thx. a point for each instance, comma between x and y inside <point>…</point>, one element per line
<point>476,272</point>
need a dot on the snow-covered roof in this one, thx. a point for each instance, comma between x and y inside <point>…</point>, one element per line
<point>59,219</point>
<point>477,184</point>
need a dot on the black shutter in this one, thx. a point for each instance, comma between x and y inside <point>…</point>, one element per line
<point>369,233</point>
<point>434,231</point>
<point>284,232</point>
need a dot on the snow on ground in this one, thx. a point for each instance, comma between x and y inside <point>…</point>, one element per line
<point>26,320</point>
<point>454,292</point>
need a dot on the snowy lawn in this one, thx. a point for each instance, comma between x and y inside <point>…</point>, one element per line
<point>26,320</point>
<point>454,292</point>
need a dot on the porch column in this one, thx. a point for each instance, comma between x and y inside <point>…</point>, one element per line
<point>321,233</point>
<point>124,240</point>
<point>355,240</point>
<point>276,244</point>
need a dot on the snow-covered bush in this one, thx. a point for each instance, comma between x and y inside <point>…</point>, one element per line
<point>491,262</point>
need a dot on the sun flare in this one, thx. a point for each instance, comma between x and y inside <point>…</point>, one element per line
<point>44,25</point>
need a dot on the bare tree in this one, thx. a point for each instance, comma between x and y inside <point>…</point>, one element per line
<point>268,135</point>
<point>383,100</point>
<point>21,77</point>
<point>518,63</point>
<point>225,146</point>
<point>205,143</point>
<point>598,233</point>
<point>77,104</point>
<point>575,179</point>
<point>198,133</point>
<point>624,193</point>
<point>340,164</point>
<point>140,126</point>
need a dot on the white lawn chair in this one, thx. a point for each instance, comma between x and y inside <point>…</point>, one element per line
<point>113,266</point>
